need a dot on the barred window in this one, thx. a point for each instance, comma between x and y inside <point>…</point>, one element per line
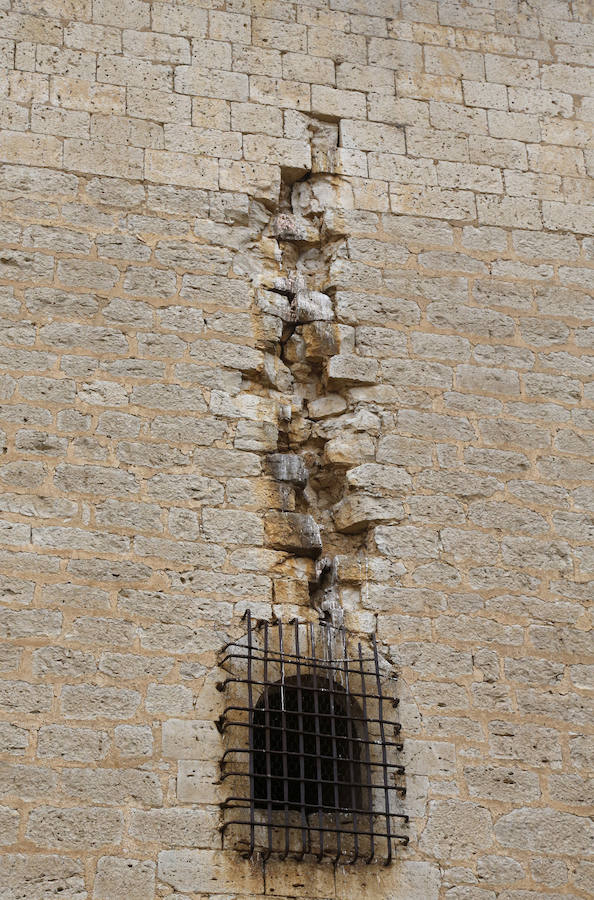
<point>310,752</point>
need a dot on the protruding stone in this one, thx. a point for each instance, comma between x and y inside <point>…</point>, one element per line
<point>320,340</point>
<point>312,306</point>
<point>348,449</point>
<point>288,227</point>
<point>357,511</point>
<point>288,467</point>
<point>329,405</point>
<point>294,532</point>
<point>345,369</point>
<point>292,303</point>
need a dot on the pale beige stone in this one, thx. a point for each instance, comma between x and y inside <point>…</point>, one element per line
<point>283,281</point>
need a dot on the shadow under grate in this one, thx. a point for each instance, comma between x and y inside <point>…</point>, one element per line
<point>309,755</point>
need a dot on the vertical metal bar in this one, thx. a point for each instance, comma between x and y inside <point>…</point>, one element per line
<point>301,744</point>
<point>334,747</point>
<point>267,745</point>
<point>251,736</point>
<point>384,754</point>
<point>318,742</point>
<point>367,754</point>
<point>352,747</point>
<point>284,738</point>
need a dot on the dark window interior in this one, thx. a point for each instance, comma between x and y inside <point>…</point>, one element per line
<point>305,752</point>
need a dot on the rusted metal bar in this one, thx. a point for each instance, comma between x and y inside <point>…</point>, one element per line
<point>304,831</point>
<point>384,754</point>
<point>367,758</point>
<point>251,735</point>
<point>318,743</point>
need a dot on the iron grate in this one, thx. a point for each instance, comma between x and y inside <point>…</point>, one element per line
<point>309,756</point>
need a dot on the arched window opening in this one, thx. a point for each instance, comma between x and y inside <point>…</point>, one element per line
<point>306,748</point>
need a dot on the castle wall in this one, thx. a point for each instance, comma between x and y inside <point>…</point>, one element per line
<point>281,282</point>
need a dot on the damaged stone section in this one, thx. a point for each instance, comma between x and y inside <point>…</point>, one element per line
<point>312,369</point>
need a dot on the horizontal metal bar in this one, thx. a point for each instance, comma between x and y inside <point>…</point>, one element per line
<point>372,787</point>
<point>309,714</point>
<point>336,665</point>
<point>323,829</point>
<point>236,803</point>
<point>319,690</point>
<point>233,723</point>
<point>292,753</point>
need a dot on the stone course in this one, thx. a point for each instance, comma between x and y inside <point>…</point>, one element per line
<point>279,280</point>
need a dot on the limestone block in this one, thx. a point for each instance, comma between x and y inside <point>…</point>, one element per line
<point>346,369</point>
<point>321,340</point>
<point>289,227</point>
<point>205,870</point>
<point>294,532</point>
<point>358,511</point>
<point>24,697</point>
<point>350,449</point>
<point>537,830</point>
<point>500,869</point>
<point>13,740</point>
<point>498,783</point>
<point>197,781</point>
<point>42,876</point>
<point>62,662</point>
<point>113,786</point>
<point>228,526</point>
<point>119,877</point>
<point>75,827</point>
<point>456,829</point>
<point>191,739</point>
<point>133,740</point>
<point>413,879</point>
<point>288,467</point>
<point>533,744</point>
<point>72,744</point>
<point>379,479</point>
<point>176,827</point>
<point>433,758</point>
<point>90,702</point>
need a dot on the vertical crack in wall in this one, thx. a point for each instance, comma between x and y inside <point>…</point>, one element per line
<point>311,364</point>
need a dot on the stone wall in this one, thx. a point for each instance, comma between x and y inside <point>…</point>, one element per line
<point>281,281</point>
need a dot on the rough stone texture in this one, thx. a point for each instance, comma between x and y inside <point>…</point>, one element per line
<point>214,370</point>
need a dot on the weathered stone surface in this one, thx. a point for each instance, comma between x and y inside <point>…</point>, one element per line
<point>358,511</point>
<point>455,829</point>
<point>500,869</point>
<point>205,870</point>
<point>175,827</point>
<point>497,783</point>
<point>186,739</point>
<point>531,743</point>
<point>72,744</point>
<point>288,467</point>
<point>77,827</point>
<point>113,786</point>
<point>412,879</point>
<point>293,532</point>
<point>537,830</point>
<point>123,877</point>
<point>42,875</point>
